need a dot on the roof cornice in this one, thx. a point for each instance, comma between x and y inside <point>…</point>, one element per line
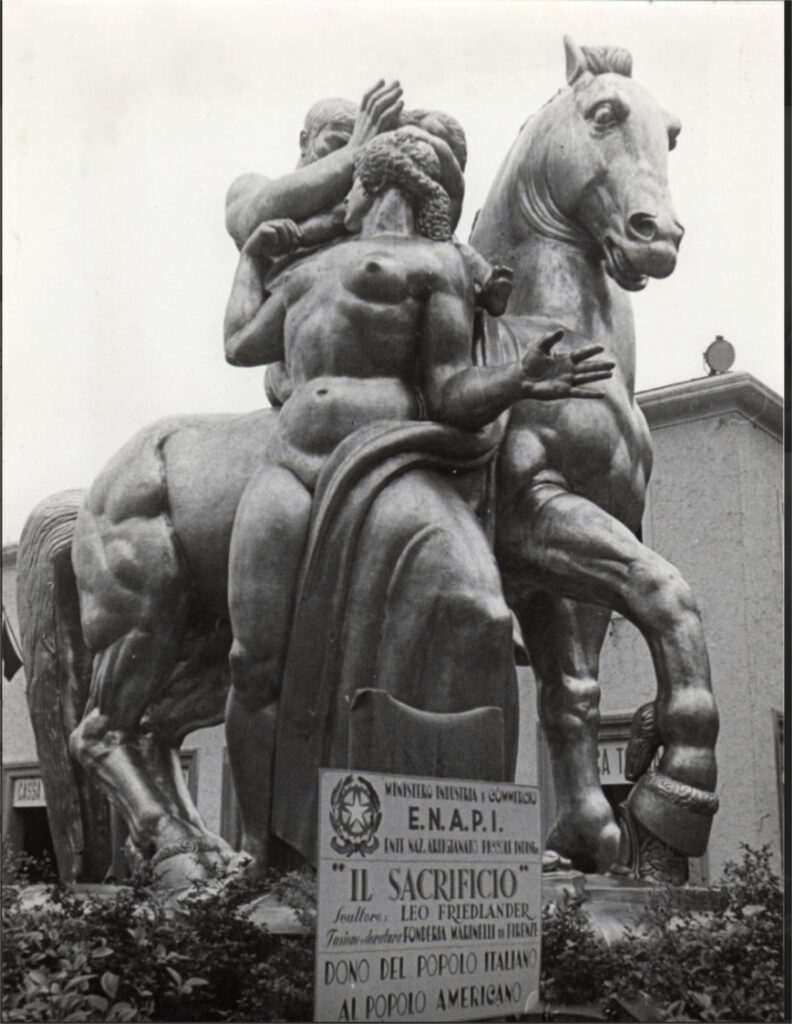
<point>713,396</point>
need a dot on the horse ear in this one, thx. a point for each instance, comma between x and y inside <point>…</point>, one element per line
<point>576,63</point>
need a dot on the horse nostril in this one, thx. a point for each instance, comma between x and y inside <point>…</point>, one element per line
<point>643,226</point>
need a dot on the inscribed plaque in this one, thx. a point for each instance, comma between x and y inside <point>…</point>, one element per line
<point>429,898</point>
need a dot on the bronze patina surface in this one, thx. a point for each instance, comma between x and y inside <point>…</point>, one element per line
<point>344,564</point>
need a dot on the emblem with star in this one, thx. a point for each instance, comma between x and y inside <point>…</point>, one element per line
<point>355,815</point>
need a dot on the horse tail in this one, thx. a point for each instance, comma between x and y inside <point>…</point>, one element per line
<point>58,668</point>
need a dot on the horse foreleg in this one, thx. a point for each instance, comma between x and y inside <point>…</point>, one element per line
<point>564,640</point>
<point>573,548</point>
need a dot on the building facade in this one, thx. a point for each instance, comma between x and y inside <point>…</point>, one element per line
<point>715,511</point>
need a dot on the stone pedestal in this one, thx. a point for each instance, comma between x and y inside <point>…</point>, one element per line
<point>557,884</point>
<point>614,904</point>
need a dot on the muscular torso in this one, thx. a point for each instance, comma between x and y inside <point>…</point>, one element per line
<point>351,338</point>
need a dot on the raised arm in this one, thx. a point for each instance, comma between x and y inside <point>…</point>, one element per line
<point>315,186</point>
<point>253,198</point>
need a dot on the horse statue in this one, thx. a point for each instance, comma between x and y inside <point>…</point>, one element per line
<point>581,212</point>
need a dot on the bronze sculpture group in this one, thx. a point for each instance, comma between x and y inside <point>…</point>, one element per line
<point>435,456</point>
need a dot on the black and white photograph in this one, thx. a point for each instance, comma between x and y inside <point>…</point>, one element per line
<point>393,511</point>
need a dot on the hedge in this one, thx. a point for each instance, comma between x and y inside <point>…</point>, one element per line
<point>127,958</point>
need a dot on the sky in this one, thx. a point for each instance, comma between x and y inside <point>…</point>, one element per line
<point>126,121</point>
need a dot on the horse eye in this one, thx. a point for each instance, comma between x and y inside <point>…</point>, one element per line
<point>604,114</point>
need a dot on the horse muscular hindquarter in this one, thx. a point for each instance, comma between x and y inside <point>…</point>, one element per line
<point>150,553</point>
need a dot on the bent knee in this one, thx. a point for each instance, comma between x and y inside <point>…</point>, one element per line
<point>571,708</point>
<point>89,737</point>
<point>255,677</point>
<point>660,595</point>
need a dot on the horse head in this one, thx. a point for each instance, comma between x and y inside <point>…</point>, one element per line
<point>591,167</point>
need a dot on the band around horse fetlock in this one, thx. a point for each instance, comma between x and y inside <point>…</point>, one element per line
<point>679,814</point>
<point>195,846</point>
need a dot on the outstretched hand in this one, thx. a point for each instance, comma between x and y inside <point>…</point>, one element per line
<point>379,112</point>
<point>547,376</point>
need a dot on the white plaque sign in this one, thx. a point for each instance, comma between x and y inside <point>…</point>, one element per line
<point>430,900</point>
<point>29,793</point>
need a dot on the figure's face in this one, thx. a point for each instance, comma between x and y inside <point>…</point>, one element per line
<point>357,203</point>
<point>326,139</point>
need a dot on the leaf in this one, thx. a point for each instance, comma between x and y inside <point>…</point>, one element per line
<point>109,983</point>
<point>76,980</point>
<point>191,983</point>
<point>174,974</point>
<point>38,978</point>
<point>122,1012</point>
<point>97,1002</point>
<point>102,951</point>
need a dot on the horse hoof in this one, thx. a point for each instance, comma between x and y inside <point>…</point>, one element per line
<point>583,847</point>
<point>553,861</point>
<point>183,862</point>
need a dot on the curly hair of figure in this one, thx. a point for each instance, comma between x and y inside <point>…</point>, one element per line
<point>400,159</point>
<point>452,131</point>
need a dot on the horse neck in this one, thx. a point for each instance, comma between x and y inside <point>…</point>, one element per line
<point>558,271</point>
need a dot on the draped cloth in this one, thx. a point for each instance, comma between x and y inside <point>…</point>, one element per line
<point>398,592</point>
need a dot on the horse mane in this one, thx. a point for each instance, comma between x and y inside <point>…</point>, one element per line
<point>603,59</point>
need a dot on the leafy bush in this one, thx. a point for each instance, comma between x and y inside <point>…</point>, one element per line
<point>681,966</point>
<point>20,868</point>
<point>573,960</point>
<point>124,957</point>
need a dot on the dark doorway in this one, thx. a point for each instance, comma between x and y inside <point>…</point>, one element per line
<point>36,841</point>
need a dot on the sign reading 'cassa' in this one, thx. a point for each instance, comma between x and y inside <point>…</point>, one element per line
<point>29,792</point>
<point>429,898</point>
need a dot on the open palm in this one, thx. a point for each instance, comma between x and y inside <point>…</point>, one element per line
<point>548,376</point>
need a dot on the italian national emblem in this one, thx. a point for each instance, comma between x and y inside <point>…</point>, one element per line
<point>355,815</point>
